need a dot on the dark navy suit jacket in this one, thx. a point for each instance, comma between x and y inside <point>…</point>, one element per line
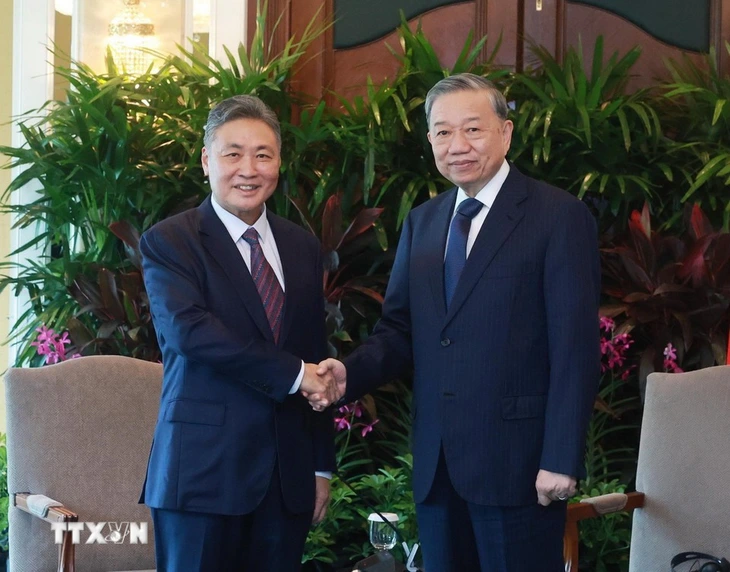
<point>225,412</point>
<point>504,379</point>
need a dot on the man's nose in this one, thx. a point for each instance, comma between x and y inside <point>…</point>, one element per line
<point>246,167</point>
<point>459,142</point>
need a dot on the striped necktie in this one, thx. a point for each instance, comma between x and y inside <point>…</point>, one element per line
<point>267,284</point>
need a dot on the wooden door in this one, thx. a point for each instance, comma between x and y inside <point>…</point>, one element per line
<point>344,56</point>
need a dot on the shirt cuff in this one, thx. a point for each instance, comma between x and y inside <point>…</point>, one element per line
<point>298,381</point>
<point>323,474</point>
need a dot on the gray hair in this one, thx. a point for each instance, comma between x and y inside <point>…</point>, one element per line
<point>240,107</point>
<point>467,82</point>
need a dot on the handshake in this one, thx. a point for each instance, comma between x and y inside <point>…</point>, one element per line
<point>323,384</point>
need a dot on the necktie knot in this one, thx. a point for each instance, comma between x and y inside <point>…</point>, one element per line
<point>251,236</point>
<point>469,207</point>
<point>456,250</point>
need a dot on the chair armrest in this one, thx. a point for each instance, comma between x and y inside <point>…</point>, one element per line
<point>592,508</point>
<point>55,513</point>
<point>66,551</point>
<point>604,504</point>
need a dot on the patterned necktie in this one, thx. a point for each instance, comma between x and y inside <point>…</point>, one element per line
<point>456,249</point>
<point>266,282</point>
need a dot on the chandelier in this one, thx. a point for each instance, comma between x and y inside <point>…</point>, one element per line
<point>130,34</point>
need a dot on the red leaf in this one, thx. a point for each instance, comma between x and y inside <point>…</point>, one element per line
<point>301,205</point>
<point>129,235</point>
<point>699,224</point>
<point>686,325</point>
<point>642,220</point>
<point>694,265</point>
<point>86,292</point>
<point>363,221</point>
<point>640,228</point>
<point>637,274</point>
<point>612,310</point>
<point>367,291</point>
<point>126,233</point>
<point>332,224</point>
<point>110,295</point>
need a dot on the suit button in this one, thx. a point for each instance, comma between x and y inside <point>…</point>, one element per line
<point>446,342</point>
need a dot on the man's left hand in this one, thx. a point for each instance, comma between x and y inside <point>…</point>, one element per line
<point>553,487</point>
<point>321,499</point>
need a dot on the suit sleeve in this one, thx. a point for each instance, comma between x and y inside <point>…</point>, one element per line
<point>186,325</point>
<point>387,353</point>
<point>323,428</point>
<point>572,285</point>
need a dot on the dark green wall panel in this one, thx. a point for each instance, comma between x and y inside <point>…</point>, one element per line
<point>681,23</point>
<point>361,21</point>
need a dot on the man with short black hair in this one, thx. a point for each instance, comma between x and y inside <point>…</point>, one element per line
<point>237,302</point>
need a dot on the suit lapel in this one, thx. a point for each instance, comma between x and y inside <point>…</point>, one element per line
<point>217,242</point>
<point>435,243</point>
<point>503,217</point>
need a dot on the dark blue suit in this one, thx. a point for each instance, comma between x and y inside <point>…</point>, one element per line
<point>504,381</point>
<point>226,420</point>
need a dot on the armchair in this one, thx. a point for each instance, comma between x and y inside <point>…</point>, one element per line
<point>683,473</point>
<point>79,432</point>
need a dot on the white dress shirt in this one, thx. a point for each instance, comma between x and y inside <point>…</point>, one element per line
<point>486,196</point>
<point>236,227</point>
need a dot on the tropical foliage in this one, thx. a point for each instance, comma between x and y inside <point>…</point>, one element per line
<point>671,289</point>
<point>584,133</point>
<point>697,117</point>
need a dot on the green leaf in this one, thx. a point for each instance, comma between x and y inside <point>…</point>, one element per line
<point>625,131</point>
<point>705,174</point>
<point>719,106</point>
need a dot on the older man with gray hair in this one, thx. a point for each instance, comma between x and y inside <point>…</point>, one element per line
<point>493,300</point>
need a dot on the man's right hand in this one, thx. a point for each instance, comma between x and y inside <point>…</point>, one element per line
<point>321,390</point>
<point>336,369</point>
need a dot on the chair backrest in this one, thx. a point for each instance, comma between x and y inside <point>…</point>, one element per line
<point>684,468</point>
<point>80,432</point>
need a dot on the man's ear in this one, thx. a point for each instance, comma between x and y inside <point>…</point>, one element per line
<point>204,161</point>
<point>428,134</point>
<point>507,130</point>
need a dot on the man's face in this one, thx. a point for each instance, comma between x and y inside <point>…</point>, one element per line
<point>469,141</point>
<point>242,163</point>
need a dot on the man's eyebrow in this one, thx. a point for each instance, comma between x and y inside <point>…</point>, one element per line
<point>238,146</point>
<point>442,122</point>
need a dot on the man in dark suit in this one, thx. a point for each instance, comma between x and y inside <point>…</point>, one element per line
<point>493,299</point>
<point>239,464</point>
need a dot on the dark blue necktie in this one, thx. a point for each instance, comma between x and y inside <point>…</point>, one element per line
<point>456,249</point>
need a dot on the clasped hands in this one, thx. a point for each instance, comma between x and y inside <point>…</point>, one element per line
<point>323,384</point>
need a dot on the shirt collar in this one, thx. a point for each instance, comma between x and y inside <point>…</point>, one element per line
<point>488,193</point>
<point>236,227</point>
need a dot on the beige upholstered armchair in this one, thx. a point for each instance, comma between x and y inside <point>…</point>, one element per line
<point>683,473</point>
<point>80,432</point>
